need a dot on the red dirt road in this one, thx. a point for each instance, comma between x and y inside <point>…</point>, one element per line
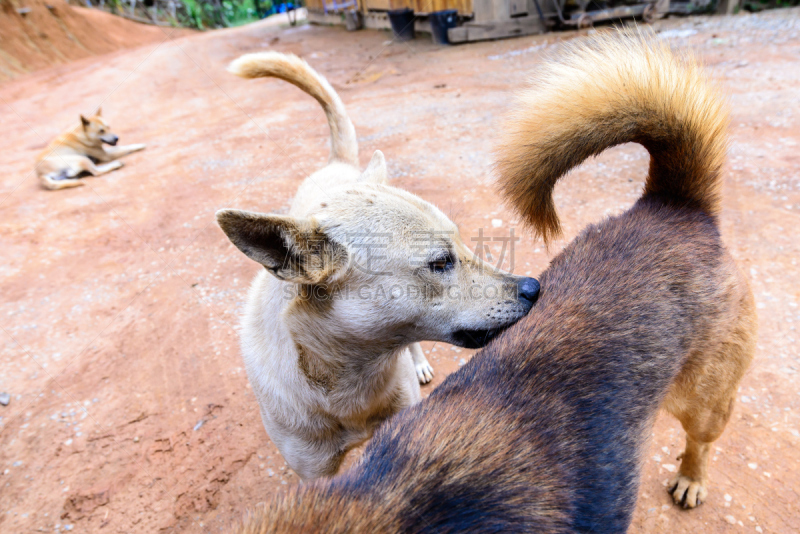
<point>130,410</point>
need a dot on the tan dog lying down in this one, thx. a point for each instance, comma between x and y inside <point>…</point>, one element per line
<point>79,153</point>
<point>355,275</point>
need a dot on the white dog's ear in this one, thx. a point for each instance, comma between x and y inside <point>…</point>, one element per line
<point>295,250</point>
<point>84,121</point>
<point>376,170</point>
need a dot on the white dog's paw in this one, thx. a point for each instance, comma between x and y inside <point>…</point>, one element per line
<point>424,371</point>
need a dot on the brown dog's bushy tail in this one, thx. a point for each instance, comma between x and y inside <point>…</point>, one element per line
<point>610,89</point>
<point>290,68</point>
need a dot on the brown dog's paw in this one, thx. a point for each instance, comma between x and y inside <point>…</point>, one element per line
<point>687,492</point>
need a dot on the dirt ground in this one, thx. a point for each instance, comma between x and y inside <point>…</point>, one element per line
<point>130,410</point>
<point>51,32</point>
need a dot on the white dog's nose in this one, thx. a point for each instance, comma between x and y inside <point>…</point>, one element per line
<point>528,291</point>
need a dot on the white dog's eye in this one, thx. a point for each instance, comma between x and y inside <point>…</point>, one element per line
<point>441,265</point>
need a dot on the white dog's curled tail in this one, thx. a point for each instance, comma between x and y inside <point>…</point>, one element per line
<point>290,68</point>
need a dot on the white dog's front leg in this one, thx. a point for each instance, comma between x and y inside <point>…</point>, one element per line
<point>421,365</point>
<point>313,458</point>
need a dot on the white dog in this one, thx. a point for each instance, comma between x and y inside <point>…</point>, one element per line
<point>356,275</point>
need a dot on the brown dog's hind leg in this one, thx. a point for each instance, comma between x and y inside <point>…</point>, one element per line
<point>703,395</point>
<point>702,399</point>
<point>689,486</point>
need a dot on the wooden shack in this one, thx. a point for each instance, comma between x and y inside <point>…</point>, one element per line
<point>496,19</point>
<point>373,13</point>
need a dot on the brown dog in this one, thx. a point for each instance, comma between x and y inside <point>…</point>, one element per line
<point>545,429</point>
<point>80,152</point>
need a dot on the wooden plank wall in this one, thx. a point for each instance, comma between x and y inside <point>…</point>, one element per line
<point>421,7</point>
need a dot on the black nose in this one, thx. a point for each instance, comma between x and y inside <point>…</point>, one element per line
<point>528,290</point>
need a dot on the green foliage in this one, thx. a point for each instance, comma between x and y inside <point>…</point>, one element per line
<point>240,12</point>
<point>204,14</point>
